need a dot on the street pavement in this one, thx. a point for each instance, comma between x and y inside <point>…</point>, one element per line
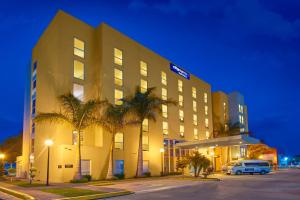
<point>280,185</point>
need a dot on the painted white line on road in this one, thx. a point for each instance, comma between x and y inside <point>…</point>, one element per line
<point>162,188</point>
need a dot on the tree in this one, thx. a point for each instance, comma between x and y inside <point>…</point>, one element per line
<point>12,147</point>
<point>32,173</point>
<point>198,162</point>
<point>255,150</point>
<point>80,115</point>
<point>113,121</point>
<point>141,106</point>
<point>181,163</point>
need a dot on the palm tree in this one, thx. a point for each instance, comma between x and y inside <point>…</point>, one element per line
<point>80,115</point>
<point>144,105</point>
<point>113,121</point>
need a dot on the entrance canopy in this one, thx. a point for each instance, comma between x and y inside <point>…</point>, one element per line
<point>221,141</point>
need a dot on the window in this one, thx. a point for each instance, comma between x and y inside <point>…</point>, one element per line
<point>118,56</point>
<point>206,123</point>
<point>118,77</point>
<point>164,111</point>
<point>194,92</point>
<point>118,97</point>
<point>145,141</point>
<point>180,85</point>
<point>145,125</point>
<point>196,136</point>
<point>207,134</point>
<point>243,151</point>
<point>205,97</point>
<point>163,78</point>
<point>206,110</point>
<point>194,106</point>
<point>119,141</point>
<point>180,100</point>
<point>240,108</point>
<point>145,166</point>
<point>165,128</point>
<point>78,48</point>
<point>78,91</point>
<point>143,68</point>
<point>144,85</point>
<point>181,115</point>
<point>119,167</point>
<point>181,130</point>
<point>75,137</point>
<point>164,94</point>
<point>195,120</point>
<point>85,167</point>
<point>78,69</point>
<point>241,119</point>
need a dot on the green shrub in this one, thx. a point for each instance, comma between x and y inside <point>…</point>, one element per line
<point>174,173</point>
<point>120,176</point>
<point>147,174</point>
<point>88,177</point>
<point>82,180</point>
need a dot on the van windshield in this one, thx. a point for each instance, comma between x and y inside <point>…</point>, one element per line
<point>261,164</point>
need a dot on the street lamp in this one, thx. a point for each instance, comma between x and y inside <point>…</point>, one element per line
<point>48,143</point>
<point>162,150</point>
<point>2,163</point>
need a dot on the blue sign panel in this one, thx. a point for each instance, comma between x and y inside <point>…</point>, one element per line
<point>179,71</point>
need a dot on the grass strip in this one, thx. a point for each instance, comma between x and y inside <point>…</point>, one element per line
<point>71,192</point>
<point>17,194</point>
<point>98,196</point>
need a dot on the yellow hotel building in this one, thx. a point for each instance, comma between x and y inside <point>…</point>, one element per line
<point>72,56</point>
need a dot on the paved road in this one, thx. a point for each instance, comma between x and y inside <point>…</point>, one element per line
<point>282,185</point>
<point>4,196</point>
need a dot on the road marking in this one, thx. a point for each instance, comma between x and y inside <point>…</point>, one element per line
<point>163,188</point>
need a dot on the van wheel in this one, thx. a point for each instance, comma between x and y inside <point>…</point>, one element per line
<point>239,172</point>
<point>263,172</point>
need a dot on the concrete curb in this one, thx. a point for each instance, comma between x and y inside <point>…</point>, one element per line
<point>17,194</point>
<point>98,196</point>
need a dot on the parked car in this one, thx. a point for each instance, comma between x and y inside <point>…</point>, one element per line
<point>247,167</point>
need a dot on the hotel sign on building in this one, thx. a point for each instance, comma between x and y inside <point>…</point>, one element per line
<point>179,71</point>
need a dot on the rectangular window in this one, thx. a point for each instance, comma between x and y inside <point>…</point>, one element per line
<point>145,166</point>
<point>119,167</point>
<point>118,97</point>
<point>78,91</point>
<point>205,97</point>
<point>207,134</point>
<point>145,142</point>
<point>180,86</point>
<point>240,108</point>
<point>181,115</point>
<point>75,137</point>
<point>194,92</point>
<point>164,111</point>
<point>194,106</point>
<point>163,78</point>
<point>206,110</point>
<point>206,123</point>
<point>78,70</point>
<point>119,141</point>
<point>165,128</point>
<point>78,48</point>
<point>143,68</point>
<point>144,85</point>
<point>85,167</point>
<point>195,120</point>
<point>164,94</point>
<point>118,56</point>
<point>196,136</point>
<point>118,77</point>
<point>180,100</point>
<point>181,130</point>
<point>145,125</point>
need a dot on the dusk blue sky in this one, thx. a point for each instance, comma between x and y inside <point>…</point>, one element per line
<point>249,46</point>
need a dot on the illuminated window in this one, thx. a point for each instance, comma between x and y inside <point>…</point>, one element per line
<point>206,110</point>
<point>78,91</point>
<point>143,68</point>
<point>78,48</point>
<point>194,106</point>
<point>206,123</point>
<point>118,97</point>
<point>119,141</point>
<point>242,130</point>
<point>194,92</point>
<point>207,134</point>
<point>164,94</point>
<point>145,141</point>
<point>180,86</point>
<point>241,119</point>
<point>145,125</point>
<point>195,120</point>
<point>180,100</point>
<point>163,78</point>
<point>181,130</point>
<point>118,77</point>
<point>196,136</point>
<point>144,85</point>
<point>240,108</point>
<point>165,128</point>
<point>205,97</point>
<point>181,115</point>
<point>75,137</point>
<point>78,69</point>
<point>118,56</point>
<point>164,111</point>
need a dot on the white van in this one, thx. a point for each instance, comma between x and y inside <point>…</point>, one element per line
<point>248,167</point>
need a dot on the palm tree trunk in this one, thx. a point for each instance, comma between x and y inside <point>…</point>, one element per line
<point>78,174</point>
<point>139,169</point>
<point>110,172</point>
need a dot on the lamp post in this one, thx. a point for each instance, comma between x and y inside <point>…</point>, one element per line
<point>48,143</point>
<point>162,150</point>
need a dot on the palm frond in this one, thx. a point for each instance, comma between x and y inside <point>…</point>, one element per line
<point>52,118</point>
